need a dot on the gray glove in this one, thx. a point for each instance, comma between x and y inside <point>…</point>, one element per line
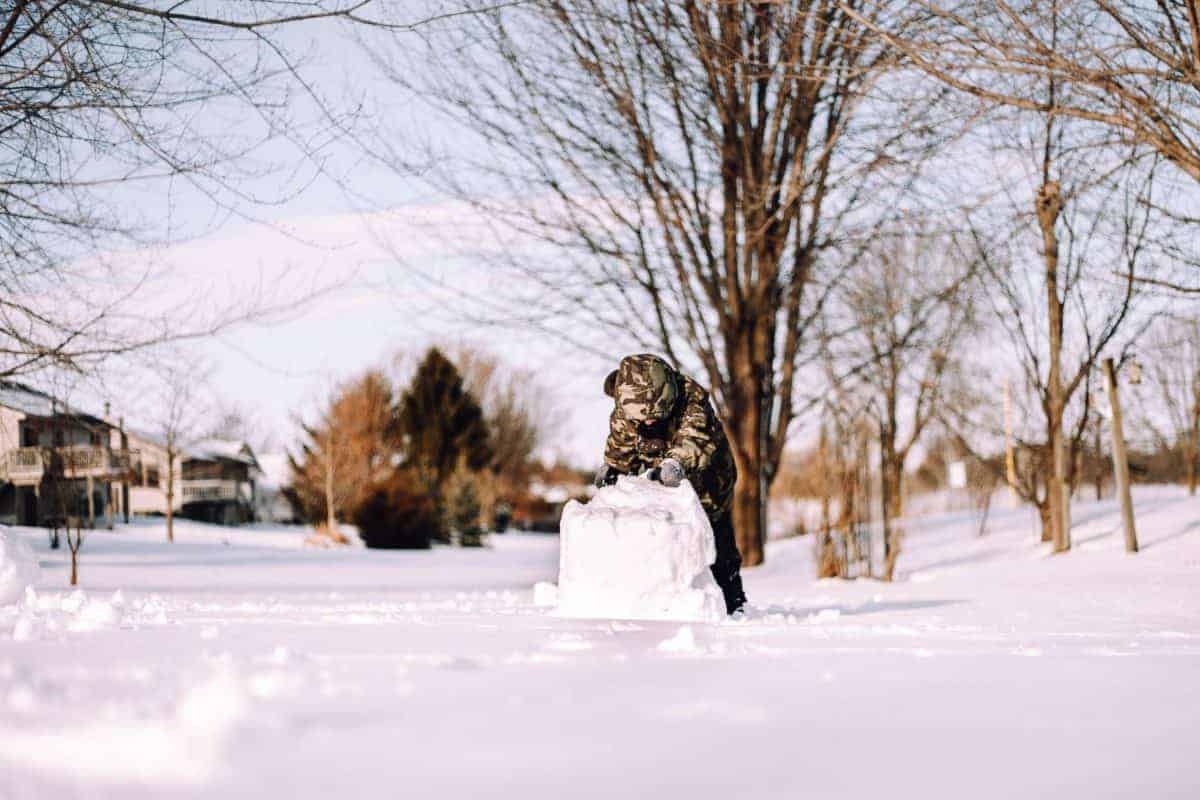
<point>607,476</point>
<point>669,473</point>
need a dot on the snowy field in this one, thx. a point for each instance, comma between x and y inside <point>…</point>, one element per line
<point>237,664</point>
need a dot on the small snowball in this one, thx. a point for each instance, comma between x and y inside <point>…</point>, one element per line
<point>25,629</point>
<point>684,641</point>
<point>545,594</point>
<point>74,601</point>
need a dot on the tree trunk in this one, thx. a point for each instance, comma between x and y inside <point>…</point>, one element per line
<point>1046,515</point>
<point>891,476</point>
<point>1193,449</point>
<point>1049,206</point>
<point>1191,470</point>
<point>170,496</point>
<point>748,432</point>
<point>826,552</point>
<point>73,544</point>
<point>330,511</point>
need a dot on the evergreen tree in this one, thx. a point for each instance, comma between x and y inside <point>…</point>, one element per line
<point>440,424</point>
<point>465,509</point>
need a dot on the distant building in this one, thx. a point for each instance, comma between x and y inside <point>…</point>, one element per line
<point>148,475</point>
<point>59,462</point>
<point>219,480</point>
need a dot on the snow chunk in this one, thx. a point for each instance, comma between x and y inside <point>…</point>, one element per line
<point>545,594</point>
<point>18,568</point>
<point>638,550</point>
<point>684,641</point>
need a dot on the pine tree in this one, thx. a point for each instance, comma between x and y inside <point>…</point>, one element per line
<point>465,509</point>
<point>440,425</point>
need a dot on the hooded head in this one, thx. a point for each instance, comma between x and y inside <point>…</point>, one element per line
<point>645,387</point>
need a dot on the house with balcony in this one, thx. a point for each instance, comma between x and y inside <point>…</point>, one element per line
<point>218,482</point>
<point>147,486</point>
<point>58,462</point>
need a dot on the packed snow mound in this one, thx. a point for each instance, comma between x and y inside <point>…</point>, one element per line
<point>638,550</point>
<point>18,568</point>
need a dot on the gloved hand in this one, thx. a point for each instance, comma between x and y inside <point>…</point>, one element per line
<point>607,476</point>
<point>669,473</point>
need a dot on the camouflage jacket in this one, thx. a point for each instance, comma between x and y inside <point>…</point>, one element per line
<point>681,425</point>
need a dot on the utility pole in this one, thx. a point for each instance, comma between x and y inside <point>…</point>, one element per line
<point>1120,458</point>
<point>1010,456</point>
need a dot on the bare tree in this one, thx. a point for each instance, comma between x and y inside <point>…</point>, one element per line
<point>909,312</point>
<point>350,449</point>
<point>101,95</point>
<point>1129,69</point>
<point>1174,372</point>
<point>691,177</point>
<point>519,417</point>
<point>178,412</point>
<point>1132,67</point>
<point>1063,313</point>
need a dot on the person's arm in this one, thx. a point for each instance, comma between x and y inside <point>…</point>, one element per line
<point>693,445</point>
<point>620,449</point>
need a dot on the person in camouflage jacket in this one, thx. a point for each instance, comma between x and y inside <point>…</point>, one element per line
<point>663,426</point>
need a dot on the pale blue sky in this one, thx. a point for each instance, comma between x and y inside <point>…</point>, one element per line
<point>363,227</point>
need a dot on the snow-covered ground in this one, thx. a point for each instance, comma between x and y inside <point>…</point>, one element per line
<point>237,664</point>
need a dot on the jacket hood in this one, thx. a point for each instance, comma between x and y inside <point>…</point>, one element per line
<point>644,386</point>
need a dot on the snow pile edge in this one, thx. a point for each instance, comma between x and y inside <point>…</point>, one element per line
<point>18,568</point>
<point>638,550</point>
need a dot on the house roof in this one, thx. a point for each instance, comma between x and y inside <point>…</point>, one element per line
<point>228,449</point>
<point>34,403</point>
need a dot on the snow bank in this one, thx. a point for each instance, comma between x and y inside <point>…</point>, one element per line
<point>18,568</point>
<point>638,550</point>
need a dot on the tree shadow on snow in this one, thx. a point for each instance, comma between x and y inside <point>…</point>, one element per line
<point>848,610</point>
<point>986,554</point>
<point>1146,544</point>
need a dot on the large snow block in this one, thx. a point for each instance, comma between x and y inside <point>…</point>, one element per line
<point>18,568</point>
<point>638,550</point>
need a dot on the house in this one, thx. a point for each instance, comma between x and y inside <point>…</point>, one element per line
<point>59,462</point>
<point>218,482</point>
<point>215,480</point>
<point>147,485</point>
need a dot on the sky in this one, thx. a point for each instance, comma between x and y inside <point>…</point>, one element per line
<point>364,238</point>
<point>368,234</point>
<point>369,307</point>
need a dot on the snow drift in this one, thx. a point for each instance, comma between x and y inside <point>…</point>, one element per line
<point>18,568</point>
<point>638,550</point>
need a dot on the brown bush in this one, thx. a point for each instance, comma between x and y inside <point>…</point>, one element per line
<point>397,515</point>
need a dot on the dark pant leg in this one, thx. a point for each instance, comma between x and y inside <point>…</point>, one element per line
<point>727,568</point>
